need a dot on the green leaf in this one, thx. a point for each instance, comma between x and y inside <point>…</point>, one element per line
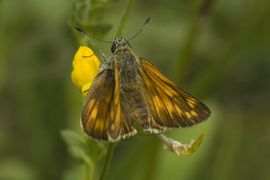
<point>194,145</point>
<point>77,146</point>
<point>83,148</point>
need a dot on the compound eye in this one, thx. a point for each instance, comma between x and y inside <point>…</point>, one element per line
<point>113,48</point>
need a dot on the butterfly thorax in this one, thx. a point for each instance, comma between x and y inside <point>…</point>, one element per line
<point>126,62</point>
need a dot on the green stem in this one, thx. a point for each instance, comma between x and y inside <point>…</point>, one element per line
<point>186,52</point>
<point>201,8</point>
<point>124,18</point>
<point>152,163</point>
<point>107,160</point>
<point>88,172</point>
<point>2,47</point>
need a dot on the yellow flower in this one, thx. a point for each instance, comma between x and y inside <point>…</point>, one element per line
<point>85,68</point>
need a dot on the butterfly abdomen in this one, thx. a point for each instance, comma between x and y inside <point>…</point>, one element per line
<point>135,106</point>
<point>131,90</point>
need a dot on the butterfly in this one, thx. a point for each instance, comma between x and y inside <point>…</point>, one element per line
<point>130,95</point>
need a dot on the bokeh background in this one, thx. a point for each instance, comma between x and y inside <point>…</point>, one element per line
<point>219,50</point>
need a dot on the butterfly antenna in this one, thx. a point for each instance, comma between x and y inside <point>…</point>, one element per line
<point>90,35</point>
<point>140,30</point>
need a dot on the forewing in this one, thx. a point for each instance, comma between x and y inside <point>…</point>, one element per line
<point>102,117</point>
<point>170,106</point>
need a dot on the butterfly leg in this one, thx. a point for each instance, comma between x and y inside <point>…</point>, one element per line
<point>105,59</point>
<point>106,62</point>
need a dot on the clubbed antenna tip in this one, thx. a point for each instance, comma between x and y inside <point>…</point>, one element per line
<point>89,35</point>
<point>140,30</point>
<point>147,21</point>
<point>78,29</point>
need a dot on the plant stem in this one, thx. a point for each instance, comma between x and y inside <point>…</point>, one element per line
<point>88,172</point>
<point>124,18</point>
<point>200,10</point>
<point>3,48</point>
<point>186,51</point>
<point>107,160</point>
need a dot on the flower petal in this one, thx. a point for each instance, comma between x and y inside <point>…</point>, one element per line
<point>85,68</point>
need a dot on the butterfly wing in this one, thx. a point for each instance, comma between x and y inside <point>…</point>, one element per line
<point>170,106</point>
<point>102,117</point>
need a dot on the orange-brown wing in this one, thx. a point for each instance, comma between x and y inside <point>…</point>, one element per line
<point>170,106</point>
<point>102,117</point>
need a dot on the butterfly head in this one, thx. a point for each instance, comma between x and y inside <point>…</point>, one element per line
<point>119,43</point>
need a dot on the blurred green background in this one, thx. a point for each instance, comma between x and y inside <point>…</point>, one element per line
<point>219,50</point>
